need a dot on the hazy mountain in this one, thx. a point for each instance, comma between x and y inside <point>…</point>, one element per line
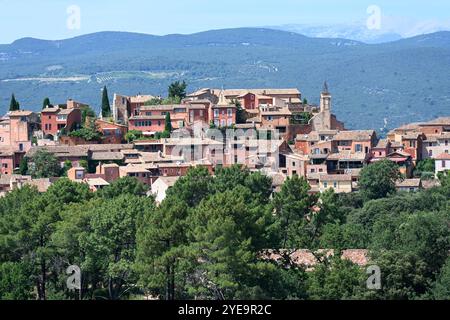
<point>357,32</point>
<point>401,81</point>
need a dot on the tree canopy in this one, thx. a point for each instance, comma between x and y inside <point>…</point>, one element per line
<point>177,89</point>
<point>378,180</point>
<point>221,236</point>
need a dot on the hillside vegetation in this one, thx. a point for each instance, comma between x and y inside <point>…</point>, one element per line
<point>401,81</point>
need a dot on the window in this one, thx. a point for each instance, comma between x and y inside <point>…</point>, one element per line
<point>201,113</point>
<point>443,163</point>
<point>430,153</point>
<point>5,165</point>
<point>446,142</point>
<point>412,143</point>
<point>216,113</point>
<point>230,112</point>
<point>79,174</point>
<point>325,184</point>
<point>148,113</point>
<point>358,148</point>
<point>313,170</point>
<point>293,163</point>
<point>335,185</point>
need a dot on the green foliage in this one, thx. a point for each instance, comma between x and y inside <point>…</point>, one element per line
<point>15,282</point>
<point>441,290</point>
<point>133,135</point>
<point>293,208</point>
<point>67,167</point>
<point>86,133</point>
<point>46,103</point>
<point>106,107</point>
<point>23,166</point>
<point>44,165</point>
<point>291,52</point>
<point>161,101</point>
<point>209,238</point>
<point>378,180</point>
<point>337,279</point>
<point>87,112</point>
<point>123,186</point>
<point>344,236</point>
<point>403,276</point>
<point>193,187</point>
<point>162,241</point>
<point>177,89</point>
<point>241,114</point>
<point>83,163</point>
<point>167,123</point>
<point>425,168</point>
<point>14,104</point>
<point>227,235</point>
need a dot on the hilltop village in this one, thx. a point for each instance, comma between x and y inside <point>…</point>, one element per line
<point>156,140</point>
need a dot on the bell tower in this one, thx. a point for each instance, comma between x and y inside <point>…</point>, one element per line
<point>325,99</point>
<point>325,108</point>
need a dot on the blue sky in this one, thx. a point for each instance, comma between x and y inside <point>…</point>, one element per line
<point>47,19</point>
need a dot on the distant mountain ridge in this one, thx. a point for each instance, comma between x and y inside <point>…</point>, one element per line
<point>372,84</point>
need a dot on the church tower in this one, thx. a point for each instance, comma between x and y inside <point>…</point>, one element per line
<point>325,107</point>
<point>325,99</point>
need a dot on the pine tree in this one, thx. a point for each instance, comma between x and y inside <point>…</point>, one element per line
<point>14,104</point>
<point>106,109</point>
<point>177,89</point>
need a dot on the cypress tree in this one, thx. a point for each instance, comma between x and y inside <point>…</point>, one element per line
<point>106,109</point>
<point>46,103</point>
<point>14,104</point>
<point>168,123</point>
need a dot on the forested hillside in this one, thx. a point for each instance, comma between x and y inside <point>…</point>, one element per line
<point>373,86</point>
